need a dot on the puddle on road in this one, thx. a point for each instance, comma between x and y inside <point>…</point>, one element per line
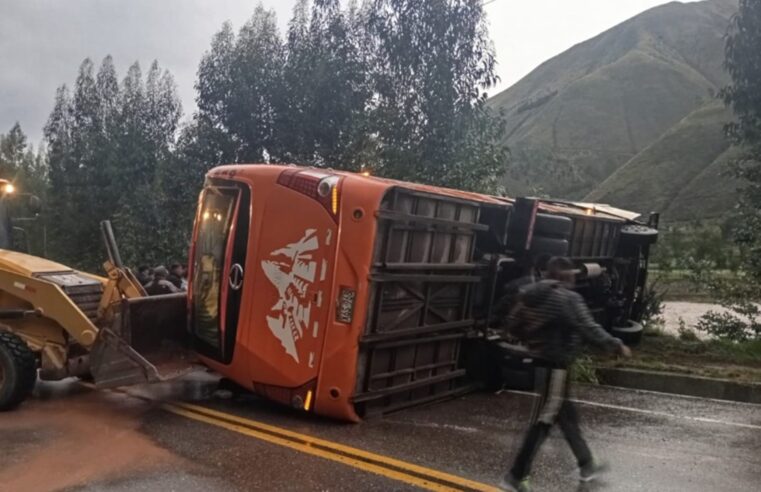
<point>75,437</point>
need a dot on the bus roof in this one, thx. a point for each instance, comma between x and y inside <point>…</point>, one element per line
<point>549,205</point>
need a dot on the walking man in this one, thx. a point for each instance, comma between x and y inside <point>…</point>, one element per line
<point>553,320</point>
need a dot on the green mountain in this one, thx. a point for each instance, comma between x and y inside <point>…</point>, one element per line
<point>608,102</point>
<point>682,174</point>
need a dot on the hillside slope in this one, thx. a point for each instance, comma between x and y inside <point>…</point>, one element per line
<point>580,116</point>
<point>681,174</point>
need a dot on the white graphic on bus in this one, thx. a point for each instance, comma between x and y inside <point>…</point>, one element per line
<point>292,270</point>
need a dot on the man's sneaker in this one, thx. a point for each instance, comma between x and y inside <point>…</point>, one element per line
<point>512,484</point>
<point>592,470</point>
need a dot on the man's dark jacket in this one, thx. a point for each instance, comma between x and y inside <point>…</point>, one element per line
<point>553,320</point>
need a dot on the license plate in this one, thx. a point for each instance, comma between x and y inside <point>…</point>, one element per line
<point>345,308</point>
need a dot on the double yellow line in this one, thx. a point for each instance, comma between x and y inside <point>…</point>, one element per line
<point>419,476</point>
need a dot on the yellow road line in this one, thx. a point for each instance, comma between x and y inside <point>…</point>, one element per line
<point>419,476</point>
<point>344,450</point>
<point>307,449</point>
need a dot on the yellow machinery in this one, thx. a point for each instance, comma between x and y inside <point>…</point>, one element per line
<point>66,323</point>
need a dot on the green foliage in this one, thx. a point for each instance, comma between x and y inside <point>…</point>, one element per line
<point>743,62</point>
<point>741,325</point>
<point>20,164</point>
<point>710,244</point>
<point>709,357</point>
<point>28,171</point>
<point>326,89</point>
<point>652,306</point>
<point>740,295</point>
<point>395,86</point>
<point>109,145</point>
<point>686,334</point>
<point>430,116</point>
<point>583,370</point>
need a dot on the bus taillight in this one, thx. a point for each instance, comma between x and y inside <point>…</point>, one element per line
<point>323,187</point>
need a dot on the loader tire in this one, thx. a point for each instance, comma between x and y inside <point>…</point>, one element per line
<point>18,370</point>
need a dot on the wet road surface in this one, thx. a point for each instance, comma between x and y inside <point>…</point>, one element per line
<point>72,438</point>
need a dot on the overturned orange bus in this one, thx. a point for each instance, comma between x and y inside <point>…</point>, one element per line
<point>347,295</point>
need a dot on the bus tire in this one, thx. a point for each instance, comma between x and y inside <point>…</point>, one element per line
<point>556,226</point>
<point>18,370</point>
<point>630,334</point>
<point>638,235</point>
<point>549,246</point>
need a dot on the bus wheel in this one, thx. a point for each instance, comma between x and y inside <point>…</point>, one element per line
<point>549,246</point>
<point>630,333</point>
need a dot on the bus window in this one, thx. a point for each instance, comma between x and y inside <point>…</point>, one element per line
<point>209,264</point>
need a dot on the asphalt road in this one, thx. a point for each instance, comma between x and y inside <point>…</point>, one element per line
<point>69,437</point>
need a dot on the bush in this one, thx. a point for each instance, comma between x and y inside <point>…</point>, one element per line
<point>652,307</point>
<point>740,324</point>
<point>583,370</point>
<point>686,334</point>
<point>739,295</point>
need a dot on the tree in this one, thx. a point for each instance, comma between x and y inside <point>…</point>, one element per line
<point>208,138</point>
<point>148,117</point>
<point>743,62</point>
<point>394,85</point>
<point>111,154</point>
<point>326,88</point>
<point>27,170</point>
<point>743,95</point>
<point>57,134</point>
<point>20,164</point>
<point>238,88</point>
<point>12,150</point>
<point>433,62</point>
<point>70,135</point>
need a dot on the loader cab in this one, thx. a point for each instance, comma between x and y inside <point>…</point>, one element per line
<point>16,208</point>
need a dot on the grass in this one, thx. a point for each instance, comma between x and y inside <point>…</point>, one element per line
<point>709,358</point>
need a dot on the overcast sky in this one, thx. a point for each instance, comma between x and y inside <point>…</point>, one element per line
<point>42,42</point>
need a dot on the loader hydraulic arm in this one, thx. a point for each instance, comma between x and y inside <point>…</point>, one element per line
<point>122,283</point>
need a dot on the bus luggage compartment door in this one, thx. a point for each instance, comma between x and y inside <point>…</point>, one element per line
<point>423,280</point>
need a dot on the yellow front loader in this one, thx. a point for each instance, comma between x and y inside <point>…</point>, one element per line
<point>57,322</point>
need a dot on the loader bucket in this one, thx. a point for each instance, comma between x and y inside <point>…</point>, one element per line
<point>148,342</point>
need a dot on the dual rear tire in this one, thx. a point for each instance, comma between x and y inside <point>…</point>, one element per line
<point>18,370</point>
<point>551,234</point>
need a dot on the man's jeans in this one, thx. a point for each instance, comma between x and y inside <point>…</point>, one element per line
<point>554,407</point>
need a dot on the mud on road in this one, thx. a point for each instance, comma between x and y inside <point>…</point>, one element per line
<point>69,436</point>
